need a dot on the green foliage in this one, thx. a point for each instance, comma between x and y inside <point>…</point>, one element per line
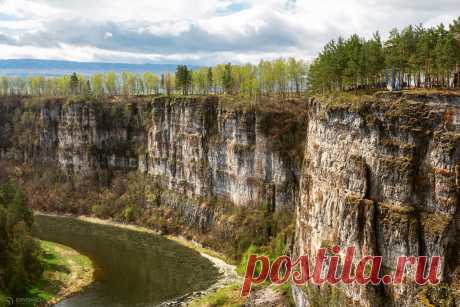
<point>423,57</point>
<point>252,250</point>
<point>202,80</point>
<point>97,85</point>
<point>225,296</point>
<point>227,79</point>
<point>262,232</point>
<point>19,252</point>
<point>74,84</point>
<point>183,79</point>
<point>280,77</point>
<point>139,199</point>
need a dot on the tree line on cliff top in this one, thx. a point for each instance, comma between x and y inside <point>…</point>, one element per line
<point>277,77</point>
<point>416,56</point>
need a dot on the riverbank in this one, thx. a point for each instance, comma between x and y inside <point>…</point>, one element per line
<point>224,292</point>
<point>66,272</point>
<point>227,286</point>
<point>228,279</point>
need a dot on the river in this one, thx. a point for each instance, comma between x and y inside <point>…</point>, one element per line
<point>132,268</point>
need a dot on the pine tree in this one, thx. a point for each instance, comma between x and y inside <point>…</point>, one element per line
<point>74,84</point>
<point>210,80</point>
<point>227,79</point>
<point>183,79</point>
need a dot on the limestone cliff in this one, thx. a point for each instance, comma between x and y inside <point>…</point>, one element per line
<point>382,175</point>
<point>208,149</point>
<point>196,147</point>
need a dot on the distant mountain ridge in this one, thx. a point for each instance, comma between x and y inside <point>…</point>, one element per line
<point>27,67</point>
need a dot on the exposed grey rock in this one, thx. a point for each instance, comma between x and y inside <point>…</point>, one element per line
<point>383,178</point>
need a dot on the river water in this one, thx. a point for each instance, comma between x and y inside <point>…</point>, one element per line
<point>132,268</point>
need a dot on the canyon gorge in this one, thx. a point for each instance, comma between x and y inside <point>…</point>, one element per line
<point>380,173</point>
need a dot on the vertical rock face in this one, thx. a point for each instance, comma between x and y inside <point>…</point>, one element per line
<point>195,147</point>
<point>204,149</point>
<point>382,177</point>
<point>76,134</point>
<point>80,137</point>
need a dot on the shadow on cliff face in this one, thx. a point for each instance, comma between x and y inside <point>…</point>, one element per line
<point>286,124</point>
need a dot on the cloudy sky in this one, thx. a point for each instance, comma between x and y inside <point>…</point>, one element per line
<point>198,31</point>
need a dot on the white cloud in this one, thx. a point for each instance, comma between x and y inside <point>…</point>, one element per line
<point>166,28</point>
<point>29,9</point>
<point>199,31</point>
<point>91,54</point>
<point>122,10</point>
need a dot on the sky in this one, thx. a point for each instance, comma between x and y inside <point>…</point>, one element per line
<point>201,32</point>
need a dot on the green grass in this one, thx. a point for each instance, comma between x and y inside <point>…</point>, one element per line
<point>226,296</point>
<point>201,249</point>
<point>65,272</point>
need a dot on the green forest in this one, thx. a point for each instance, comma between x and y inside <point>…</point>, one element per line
<point>19,251</point>
<point>414,57</point>
<point>277,77</point>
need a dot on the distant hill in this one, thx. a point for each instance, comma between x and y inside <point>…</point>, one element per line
<point>27,67</point>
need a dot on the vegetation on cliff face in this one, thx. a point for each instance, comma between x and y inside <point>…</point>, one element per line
<point>136,198</point>
<point>286,125</point>
<point>124,195</point>
<point>404,183</point>
<point>128,196</point>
